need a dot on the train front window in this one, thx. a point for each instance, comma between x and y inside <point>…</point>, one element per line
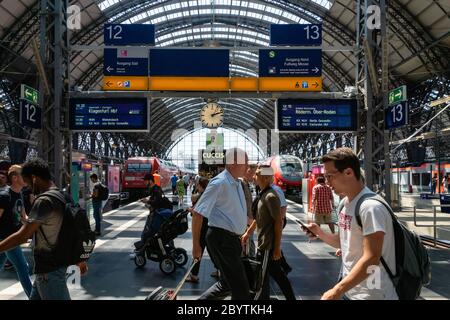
<point>290,168</point>
<point>139,167</point>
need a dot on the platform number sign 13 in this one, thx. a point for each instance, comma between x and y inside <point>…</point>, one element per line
<point>397,115</point>
<point>30,115</point>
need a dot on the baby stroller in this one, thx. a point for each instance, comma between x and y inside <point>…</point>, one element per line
<point>160,246</point>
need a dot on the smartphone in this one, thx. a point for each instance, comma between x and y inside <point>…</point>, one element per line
<point>304,226</point>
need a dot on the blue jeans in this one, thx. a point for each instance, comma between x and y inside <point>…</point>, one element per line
<point>97,207</point>
<point>20,264</point>
<point>51,286</point>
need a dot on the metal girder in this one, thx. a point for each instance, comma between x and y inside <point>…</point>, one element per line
<point>419,114</point>
<point>416,35</point>
<point>371,59</point>
<point>19,35</point>
<point>56,146</point>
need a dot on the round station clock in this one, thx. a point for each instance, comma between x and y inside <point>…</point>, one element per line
<point>211,115</point>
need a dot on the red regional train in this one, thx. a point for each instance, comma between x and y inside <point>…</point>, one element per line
<point>288,172</point>
<point>137,167</point>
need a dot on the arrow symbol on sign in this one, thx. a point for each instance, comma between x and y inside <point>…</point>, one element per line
<point>109,83</point>
<point>316,70</point>
<point>398,94</point>
<point>315,84</point>
<point>109,69</point>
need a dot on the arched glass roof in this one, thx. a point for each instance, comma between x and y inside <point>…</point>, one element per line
<point>184,151</point>
<point>255,9</point>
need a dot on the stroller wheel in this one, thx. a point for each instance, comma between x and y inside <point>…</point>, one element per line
<point>180,256</point>
<point>140,261</point>
<point>167,265</point>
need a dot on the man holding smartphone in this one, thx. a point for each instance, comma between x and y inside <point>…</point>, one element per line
<point>362,248</point>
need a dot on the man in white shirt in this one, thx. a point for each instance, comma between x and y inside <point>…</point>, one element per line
<point>364,277</point>
<point>223,204</point>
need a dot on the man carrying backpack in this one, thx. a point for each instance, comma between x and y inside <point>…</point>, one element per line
<point>369,236</point>
<point>44,223</point>
<point>99,194</point>
<point>361,248</point>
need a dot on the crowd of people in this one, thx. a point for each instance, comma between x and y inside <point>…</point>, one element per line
<point>225,216</point>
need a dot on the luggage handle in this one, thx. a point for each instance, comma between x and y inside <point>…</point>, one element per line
<point>183,280</point>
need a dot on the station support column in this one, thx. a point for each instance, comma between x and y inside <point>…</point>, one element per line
<point>372,80</point>
<point>55,145</point>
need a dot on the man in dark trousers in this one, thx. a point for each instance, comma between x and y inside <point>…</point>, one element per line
<point>223,204</point>
<point>96,203</point>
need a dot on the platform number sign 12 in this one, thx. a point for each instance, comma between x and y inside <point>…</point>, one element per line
<point>397,115</point>
<point>114,32</point>
<point>30,115</point>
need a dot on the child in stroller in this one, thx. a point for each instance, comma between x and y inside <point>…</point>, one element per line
<point>156,244</point>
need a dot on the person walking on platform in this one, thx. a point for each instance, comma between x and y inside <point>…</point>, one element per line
<point>12,214</point>
<point>173,181</point>
<point>201,187</point>
<point>445,183</point>
<point>434,182</point>
<point>181,190</point>
<point>157,178</point>
<point>322,203</point>
<point>283,210</point>
<point>269,224</point>
<point>97,203</point>
<point>248,177</point>
<point>362,247</point>
<point>223,204</point>
<point>44,224</point>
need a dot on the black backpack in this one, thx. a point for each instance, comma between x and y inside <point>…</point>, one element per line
<point>411,257</point>
<point>103,192</point>
<point>76,240</point>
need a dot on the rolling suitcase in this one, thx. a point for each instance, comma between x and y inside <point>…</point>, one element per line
<point>170,294</point>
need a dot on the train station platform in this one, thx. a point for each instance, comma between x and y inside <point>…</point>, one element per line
<point>113,275</point>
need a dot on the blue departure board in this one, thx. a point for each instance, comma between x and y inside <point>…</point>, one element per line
<point>117,114</point>
<point>316,115</point>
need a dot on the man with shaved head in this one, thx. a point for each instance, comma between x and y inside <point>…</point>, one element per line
<point>223,204</point>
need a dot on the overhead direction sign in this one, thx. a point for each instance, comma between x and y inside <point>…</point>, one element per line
<point>325,115</point>
<point>29,94</point>
<point>129,34</point>
<point>397,95</point>
<point>295,34</point>
<point>125,62</point>
<point>396,115</point>
<point>303,84</point>
<point>118,114</point>
<point>189,63</point>
<point>125,83</point>
<point>30,115</point>
<point>290,63</point>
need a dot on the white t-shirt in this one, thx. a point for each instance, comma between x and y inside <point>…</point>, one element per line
<point>374,217</point>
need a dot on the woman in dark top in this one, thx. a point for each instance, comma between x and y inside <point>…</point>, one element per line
<point>201,186</point>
